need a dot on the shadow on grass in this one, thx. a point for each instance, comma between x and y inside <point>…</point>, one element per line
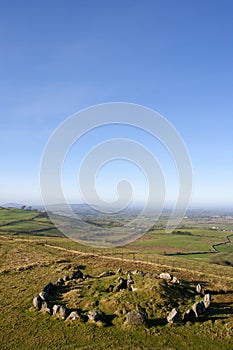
<point>82,267</point>
<point>155,322</point>
<point>108,319</point>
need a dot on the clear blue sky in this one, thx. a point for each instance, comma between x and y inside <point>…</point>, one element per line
<point>58,57</point>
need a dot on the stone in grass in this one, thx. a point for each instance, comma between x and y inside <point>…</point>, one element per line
<point>207,300</point>
<point>37,302</point>
<point>60,311</point>
<point>130,284</point>
<point>73,316</point>
<point>122,284</point>
<point>106,274</point>
<point>63,312</point>
<point>44,296</point>
<point>66,278</point>
<point>55,309</point>
<point>189,316</point>
<point>174,316</point>
<point>175,280</point>
<point>138,272</point>
<point>165,276</point>
<point>45,308</point>
<point>151,275</point>
<point>136,318</point>
<point>199,288</point>
<point>93,316</point>
<point>199,308</point>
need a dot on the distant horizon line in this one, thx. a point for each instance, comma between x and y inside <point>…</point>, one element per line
<point>192,206</point>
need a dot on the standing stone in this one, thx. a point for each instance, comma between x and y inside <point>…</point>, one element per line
<point>37,302</point>
<point>63,312</point>
<point>207,300</point>
<point>175,280</point>
<point>45,308</point>
<point>130,284</point>
<point>174,316</point>
<point>73,316</point>
<point>120,271</point>
<point>55,309</point>
<point>199,288</point>
<point>199,308</point>
<point>136,318</point>
<point>129,277</point>
<point>44,296</point>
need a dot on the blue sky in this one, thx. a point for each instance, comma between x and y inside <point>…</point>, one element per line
<point>59,57</point>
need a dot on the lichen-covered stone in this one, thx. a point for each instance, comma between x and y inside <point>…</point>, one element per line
<point>137,318</point>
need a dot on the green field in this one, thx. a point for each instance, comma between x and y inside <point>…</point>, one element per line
<point>18,222</point>
<point>33,253</point>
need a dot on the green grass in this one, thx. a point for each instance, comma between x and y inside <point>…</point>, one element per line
<point>11,215</point>
<point>18,222</point>
<point>29,261</point>
<point>197,245</point>
<point>28,265</point>
<point>27,226</point>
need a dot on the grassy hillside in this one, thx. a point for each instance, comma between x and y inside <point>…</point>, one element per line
<point>29,222</point>
<point>27,266</point>
<point>32,254</point>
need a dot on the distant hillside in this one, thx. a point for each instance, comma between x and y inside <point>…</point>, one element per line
<point>11,205</point>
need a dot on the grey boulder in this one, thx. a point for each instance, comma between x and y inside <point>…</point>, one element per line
<point>73,316</point>
<point>137,318</point>
<point>93,316</point>
<point>174,316</point>
<point>199,288</point>
<point>37,302</point>
<point>45,308</point>
<point>165,276</point>
<point>207,300</point>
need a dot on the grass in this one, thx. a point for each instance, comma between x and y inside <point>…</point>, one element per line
<point>26,266</point>
<point>18,221</point>
<point>28,261</point>
<point>194,244</point>
<point>11,215</point>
